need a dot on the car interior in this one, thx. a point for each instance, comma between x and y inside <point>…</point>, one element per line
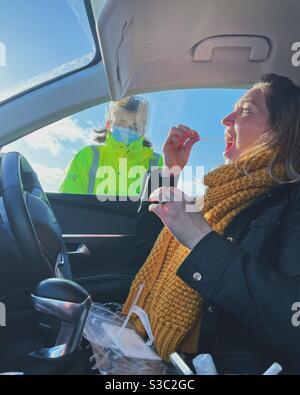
<point>46,237</point>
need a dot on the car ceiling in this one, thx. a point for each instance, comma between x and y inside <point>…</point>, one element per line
<point>152,45</point>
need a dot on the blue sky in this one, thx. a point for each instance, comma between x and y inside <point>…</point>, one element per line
<point>37,33</point>
<point>47,38</point>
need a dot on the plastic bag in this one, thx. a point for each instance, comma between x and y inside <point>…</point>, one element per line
<point>118,349</point>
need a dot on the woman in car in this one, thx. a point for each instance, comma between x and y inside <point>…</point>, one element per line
<point>223,277</point>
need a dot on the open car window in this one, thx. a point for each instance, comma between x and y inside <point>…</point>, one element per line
<point>52,148</point>
<point>36,47</point>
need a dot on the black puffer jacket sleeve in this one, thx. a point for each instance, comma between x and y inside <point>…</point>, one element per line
<point>265,300</point>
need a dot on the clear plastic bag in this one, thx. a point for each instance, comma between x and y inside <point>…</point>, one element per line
<point>118,349</point>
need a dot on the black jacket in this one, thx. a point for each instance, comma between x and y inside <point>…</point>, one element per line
<point>250,280</point>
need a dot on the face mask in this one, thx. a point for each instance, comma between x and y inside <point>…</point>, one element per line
<point>125,135</point>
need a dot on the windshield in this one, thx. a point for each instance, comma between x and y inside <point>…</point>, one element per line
<point>35,45</point>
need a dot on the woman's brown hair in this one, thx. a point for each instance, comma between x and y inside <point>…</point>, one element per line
<point>283,104</point>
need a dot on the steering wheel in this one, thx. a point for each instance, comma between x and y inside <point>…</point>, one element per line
<point>32,222</point>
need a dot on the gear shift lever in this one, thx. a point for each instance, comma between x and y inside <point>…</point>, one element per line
<point>67,302</point>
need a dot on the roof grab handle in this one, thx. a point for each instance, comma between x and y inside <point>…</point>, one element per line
<point>259,46</point>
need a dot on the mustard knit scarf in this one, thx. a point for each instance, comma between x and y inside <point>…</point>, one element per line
<point>174,309</point>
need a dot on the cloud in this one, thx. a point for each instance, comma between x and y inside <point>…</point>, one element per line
<point>55,137</point>
<point>50,177</point>
<point>60,138</point>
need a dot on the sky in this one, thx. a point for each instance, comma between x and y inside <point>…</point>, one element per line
<point>43,39</point>
<point>60,40</point>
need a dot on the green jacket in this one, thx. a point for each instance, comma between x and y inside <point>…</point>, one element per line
<point>112,169</point>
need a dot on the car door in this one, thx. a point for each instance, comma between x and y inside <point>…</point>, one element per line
<point>55,80</point>
<point>99,238</point>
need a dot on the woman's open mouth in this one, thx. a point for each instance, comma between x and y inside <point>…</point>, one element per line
<point>229,144</point>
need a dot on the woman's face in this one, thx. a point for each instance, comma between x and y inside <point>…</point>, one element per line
<point>245,124</point>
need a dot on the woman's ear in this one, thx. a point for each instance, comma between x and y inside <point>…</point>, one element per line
<point>108,125</point>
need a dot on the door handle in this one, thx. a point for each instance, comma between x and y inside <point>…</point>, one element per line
<point>82,250</point>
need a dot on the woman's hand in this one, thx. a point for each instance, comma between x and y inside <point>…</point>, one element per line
<point>177,147</point>
<point>180,215</point>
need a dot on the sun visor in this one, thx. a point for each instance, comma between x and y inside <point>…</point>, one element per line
<point>116,27</point>
<point>154,45</point>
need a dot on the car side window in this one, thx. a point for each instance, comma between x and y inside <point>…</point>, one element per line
<point>50,149</point>
<point>73,154</point>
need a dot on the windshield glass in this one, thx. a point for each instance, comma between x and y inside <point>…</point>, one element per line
<point>36,46</point>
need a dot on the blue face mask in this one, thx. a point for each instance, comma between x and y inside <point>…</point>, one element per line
<point>125,135</point>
